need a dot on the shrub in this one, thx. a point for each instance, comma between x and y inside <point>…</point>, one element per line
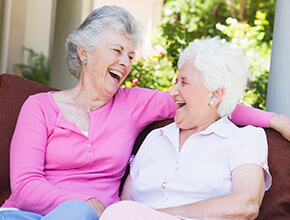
<point>37,69</point>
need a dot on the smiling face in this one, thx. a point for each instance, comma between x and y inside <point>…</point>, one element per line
<point>109,64</point>
<point>192,98</point>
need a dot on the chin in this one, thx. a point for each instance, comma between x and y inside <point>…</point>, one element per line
<point>178,123</point>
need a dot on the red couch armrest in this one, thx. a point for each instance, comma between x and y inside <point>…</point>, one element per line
<point>276,202</point>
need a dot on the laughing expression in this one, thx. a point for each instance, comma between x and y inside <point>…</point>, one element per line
<point>110,63</point>
<point>191,98</point>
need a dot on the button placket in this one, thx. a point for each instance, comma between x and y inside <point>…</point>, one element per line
<point>166,179</point>
<point>89,150</point>
<point>163,187</point>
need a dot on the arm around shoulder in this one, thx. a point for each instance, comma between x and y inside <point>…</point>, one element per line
<point>281,123</point>
<point>245,115</point>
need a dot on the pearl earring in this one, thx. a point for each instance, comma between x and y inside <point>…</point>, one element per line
<point>211,103</point>
<point>85,61</point>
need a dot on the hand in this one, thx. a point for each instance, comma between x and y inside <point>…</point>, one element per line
<point>281,123</point>
<point>97,205</point>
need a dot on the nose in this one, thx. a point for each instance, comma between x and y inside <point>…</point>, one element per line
<point>124,61</point>
<point>173,91</point>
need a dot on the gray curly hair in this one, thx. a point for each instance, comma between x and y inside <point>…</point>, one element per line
<point>93,28</point>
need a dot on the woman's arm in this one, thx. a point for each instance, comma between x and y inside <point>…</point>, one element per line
<point>126,191</point>
<point>30,189</point>
<point>243,203</point>
<point>281,123</point>
<point>245,115</point>
<point>97,205</point>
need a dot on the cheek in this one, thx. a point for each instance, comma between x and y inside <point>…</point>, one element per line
<point>197,105</point>
<point>128,70</point>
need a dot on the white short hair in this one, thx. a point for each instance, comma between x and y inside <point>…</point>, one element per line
<point>221,65</point>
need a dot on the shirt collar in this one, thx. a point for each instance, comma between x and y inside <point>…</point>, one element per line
<point>222,127</point>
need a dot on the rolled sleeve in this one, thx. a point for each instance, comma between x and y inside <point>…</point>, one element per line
<point>251,148</point>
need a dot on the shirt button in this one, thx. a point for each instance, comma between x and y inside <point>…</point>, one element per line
<point>165,179</point>
<point>164,195</point>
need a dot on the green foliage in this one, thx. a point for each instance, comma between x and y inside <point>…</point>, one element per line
<point>150,72</point>
<point>266,6</point>
<point>250,27</point>
<point>251,38</point>
<point>37,69</point>
<point>183,21</point>
<point>186,20</point>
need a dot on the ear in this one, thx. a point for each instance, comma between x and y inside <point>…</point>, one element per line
<point>82,52</point>
<point>217,96</point>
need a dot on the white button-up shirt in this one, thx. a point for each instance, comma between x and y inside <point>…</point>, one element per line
<point>164,177</point>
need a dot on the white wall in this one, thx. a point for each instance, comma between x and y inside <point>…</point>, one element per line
<point>38,25</point>
<point>24,23</point>
<point>148,12</point>
<point>69,14</point>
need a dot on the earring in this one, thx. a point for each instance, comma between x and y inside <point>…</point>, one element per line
<point>85,61</point>
<point>211,103</point>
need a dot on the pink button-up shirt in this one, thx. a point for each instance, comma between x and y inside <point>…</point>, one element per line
<point>53,161</point>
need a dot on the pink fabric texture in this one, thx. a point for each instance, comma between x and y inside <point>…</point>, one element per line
<point>243,115</point>
<point>53,161</point>
<point>129,210</point>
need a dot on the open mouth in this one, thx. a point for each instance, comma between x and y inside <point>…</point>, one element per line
<point>180,104</point>
<point>115,74</point>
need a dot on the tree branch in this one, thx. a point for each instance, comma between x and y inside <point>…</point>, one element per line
<point>214,11</point>
<point>233,13</point>
<point>243,10</point>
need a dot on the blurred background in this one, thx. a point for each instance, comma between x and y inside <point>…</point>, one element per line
<point>33,35</point>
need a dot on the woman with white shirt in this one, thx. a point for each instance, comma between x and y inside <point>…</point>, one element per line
<point>201,166</point>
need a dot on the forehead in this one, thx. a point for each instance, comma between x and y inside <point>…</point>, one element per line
<point>111,37</point>
<point>188,70</point>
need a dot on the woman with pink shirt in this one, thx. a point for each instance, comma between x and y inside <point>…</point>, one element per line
<point>201,166</point>
<point>70,148</point>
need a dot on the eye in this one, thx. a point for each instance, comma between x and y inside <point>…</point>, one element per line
<point>131,57</point>
<point>183,82</point>
<point>117,50</point>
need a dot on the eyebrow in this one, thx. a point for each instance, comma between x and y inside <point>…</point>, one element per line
<point>132,52</point>
<point>118,46</point>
